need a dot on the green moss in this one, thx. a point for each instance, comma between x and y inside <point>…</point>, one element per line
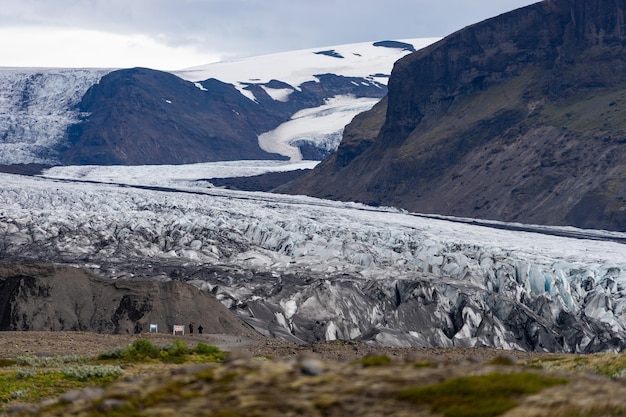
<point>143,350</point>
<point>603,411</point>
<point>611,365</point>
<point>478,396</point>
<point>206,376</point>
<point>40,385</point>
<point>209,353</point>
<point>326,401</point>
<point>502,361</point>
<point>170,392</point>
<point>225,413</point>
<point>375,360</point>
<point>7,362</point>
<point>227,378</point>
<point>597,114</point>
<point>44,377</point>
<point>92,373</point>
<point>122,410</point>
<point>139,350</point>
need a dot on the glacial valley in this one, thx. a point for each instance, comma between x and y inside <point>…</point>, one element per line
<point>305,269</point>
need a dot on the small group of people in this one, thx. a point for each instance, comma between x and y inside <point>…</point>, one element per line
<point>191,326</point>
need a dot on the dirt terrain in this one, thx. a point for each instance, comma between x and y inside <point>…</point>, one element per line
<point>14,343</point>
<point>269,377</point>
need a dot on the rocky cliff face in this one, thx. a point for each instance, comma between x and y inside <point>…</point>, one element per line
<point>49,297</point>
<point>517,118</point>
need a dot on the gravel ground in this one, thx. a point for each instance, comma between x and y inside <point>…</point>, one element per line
<point>316,380</point>
<point>38,343</point>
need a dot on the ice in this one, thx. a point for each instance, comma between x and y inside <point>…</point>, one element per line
<point>322,126</point>
<point>190,175</point>
<point>36,108</point>
<point>316,269</point>
<point>278,94</point>
<point>362,60</point>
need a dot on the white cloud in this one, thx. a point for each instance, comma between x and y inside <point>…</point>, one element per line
<point>184,33</point>
<point>54,47</point>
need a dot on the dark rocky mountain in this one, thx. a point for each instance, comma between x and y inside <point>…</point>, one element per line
<point>53,297</point>
<point>521,117</point>
<point>141,116</point>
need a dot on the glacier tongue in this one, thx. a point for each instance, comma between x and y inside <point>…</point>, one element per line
<point>308,269</point>
<point>36,108</point>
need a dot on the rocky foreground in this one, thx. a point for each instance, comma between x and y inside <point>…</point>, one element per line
<point>276,378</point>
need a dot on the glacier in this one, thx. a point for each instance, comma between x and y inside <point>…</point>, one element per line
<point>36,107</point>
<point>322,126</point>
<point>306,269</point>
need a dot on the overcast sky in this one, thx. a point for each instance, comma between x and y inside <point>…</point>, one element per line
<point>176,34</point>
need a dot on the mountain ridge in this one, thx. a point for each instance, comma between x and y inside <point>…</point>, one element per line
<point>516,118</point>
<point>209,113</point>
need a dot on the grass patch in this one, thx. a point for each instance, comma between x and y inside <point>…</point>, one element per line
<point>48,361</point>
<point>604,411</point>
<point>7,362</point>
<point>99,373</point>
<point>607,364</point>
<point>138,351</point>
<point>204,349</point>
<point>225,413</point>
<point>32,379</point>
<point>375,360</point>
<point>478,396</point>
<point>37,386</point>
<point>502,361</point>
<point>600,111</point>
<point>143,350</point>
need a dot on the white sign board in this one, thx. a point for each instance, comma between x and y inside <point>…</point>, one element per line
<point>179,329</point>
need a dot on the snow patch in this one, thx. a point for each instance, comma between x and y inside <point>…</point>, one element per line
<point>278,94</point>
<point>322,126</point>
<point>297,67</point>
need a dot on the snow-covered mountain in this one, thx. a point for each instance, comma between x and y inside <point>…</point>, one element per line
<point>307,269</point>
<point>371,61</point>
<point>296,101</point>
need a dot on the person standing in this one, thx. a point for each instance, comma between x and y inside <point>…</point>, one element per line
<point>200,328</point>
<point>191,328</point>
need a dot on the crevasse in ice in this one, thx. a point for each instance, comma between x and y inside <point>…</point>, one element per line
<point>310,269</point>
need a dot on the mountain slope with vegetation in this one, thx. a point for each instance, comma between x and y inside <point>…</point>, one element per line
<point>517,118</point>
